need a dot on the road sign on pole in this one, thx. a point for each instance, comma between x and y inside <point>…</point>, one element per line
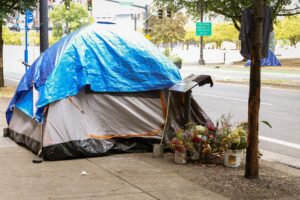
<point>203,28</point>
<point>126,2</point>
<point>29,17</point>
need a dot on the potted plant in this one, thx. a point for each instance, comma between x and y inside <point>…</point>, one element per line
<point>204,139</point>
<point>182,144</point>
<point>194,142</point>
<point>176,60</point>
<point>173,57</point>
<point>234,144</point>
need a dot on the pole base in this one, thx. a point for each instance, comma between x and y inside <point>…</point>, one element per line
<point>201,62</point>
<point>5,132</point>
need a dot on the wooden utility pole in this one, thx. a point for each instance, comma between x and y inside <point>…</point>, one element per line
<point>252,164</point>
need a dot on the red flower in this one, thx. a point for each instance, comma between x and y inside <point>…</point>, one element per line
<point>211,127</point>
<point>197,139</point>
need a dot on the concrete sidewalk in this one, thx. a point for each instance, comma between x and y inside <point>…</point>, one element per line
<point>123,176</point>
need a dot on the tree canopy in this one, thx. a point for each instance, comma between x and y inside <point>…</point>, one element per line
<point>8,7</point>
<point>288,29</point>
<point>231,9</point>
<point>167,30</point>
<point>71,20</point>
<point>223,32</point>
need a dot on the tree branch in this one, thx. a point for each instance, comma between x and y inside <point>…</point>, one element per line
<point>288,14</point>
<point>236,24</point>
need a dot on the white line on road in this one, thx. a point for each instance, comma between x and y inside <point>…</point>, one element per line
<point>273,140</point>
<point>229,98</point>
<point>263,87</point>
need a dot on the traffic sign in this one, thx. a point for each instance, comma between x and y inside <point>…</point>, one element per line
<point>203,28</point>
<point>126,2</point>
<point>29,17</point>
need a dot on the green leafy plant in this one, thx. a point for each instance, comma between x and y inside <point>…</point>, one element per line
<point>175,58</point>
<point>233,136</point>
<point>230,136</point>
<point>236,140</point>
<point>167,52</point>
<point>183,141</point>
<point>194,137</point>
<point>11,37</point>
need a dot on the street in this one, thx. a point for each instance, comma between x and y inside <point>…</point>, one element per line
<point>220,72</point>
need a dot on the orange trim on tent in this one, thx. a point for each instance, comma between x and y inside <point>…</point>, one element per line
<point>152,133</point>
<point>163,104</point>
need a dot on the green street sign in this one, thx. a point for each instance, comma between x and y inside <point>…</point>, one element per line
<point>203,28</point>
<point>126,2</point>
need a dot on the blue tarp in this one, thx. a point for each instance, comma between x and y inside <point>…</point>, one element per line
<point>99,55</point>
<point>271,60</point>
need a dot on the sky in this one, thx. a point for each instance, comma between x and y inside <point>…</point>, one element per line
<point>105,8</point>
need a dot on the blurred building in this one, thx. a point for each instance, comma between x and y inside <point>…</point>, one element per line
<point>124,14</point>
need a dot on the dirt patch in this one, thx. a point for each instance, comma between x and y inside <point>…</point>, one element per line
<point>7,91</point>
<point>3,106</point>
<point>230,182</point>
<point>294,63</point>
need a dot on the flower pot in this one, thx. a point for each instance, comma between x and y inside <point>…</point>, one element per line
<point>195,156</point>
<point>178,64</point>
<point>233,158</point>
<point>180,156</point>
<point>205,153</point>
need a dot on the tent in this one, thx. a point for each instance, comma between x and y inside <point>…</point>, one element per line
<point>97,90</point>
<point>271,60</point>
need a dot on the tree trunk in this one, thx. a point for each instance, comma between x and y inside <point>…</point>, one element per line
<point>252,164</point>
<point>1,57</point>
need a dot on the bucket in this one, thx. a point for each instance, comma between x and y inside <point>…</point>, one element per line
<point>232,158</point>
<point>180,156</point>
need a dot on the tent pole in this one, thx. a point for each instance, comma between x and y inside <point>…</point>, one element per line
<point>167,116</point>
<point>38,158</point>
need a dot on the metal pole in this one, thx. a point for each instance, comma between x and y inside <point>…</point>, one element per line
<point>187,107</point>
<point>146,17</point>
<point>135,21</point>
<point>26,40</point>
<point>201,60</point>
<point>44,41</point>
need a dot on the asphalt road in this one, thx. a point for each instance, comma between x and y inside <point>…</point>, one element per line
<point>242,73</point>
<point>279,107</point>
